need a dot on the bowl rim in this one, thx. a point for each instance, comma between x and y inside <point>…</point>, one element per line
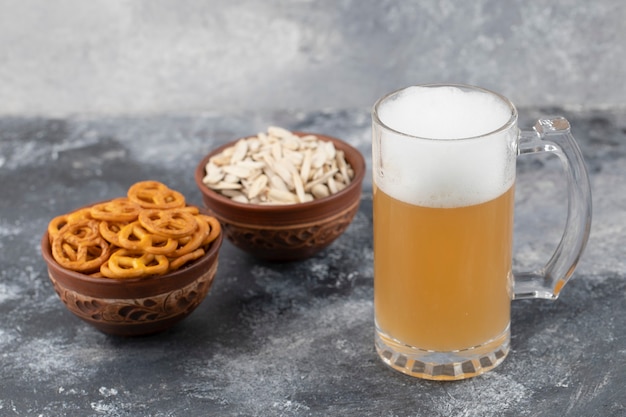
<point>46,253</point>
<point>359,174</point>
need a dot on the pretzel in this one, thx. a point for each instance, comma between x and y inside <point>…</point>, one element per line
<point>214,228</point>
<point>135,237</point>
<point>104,270</point>
<point>56,225</point>
<point>153,194</point>
<point>80,231</point>
<point>110,231</point>
<point>194,241</point>
<point>132,264</point>
<point>117,210</point>
<point>82,256</point>
<point>190,209</point>
<point>171,223</point>
<point>176,263</point>
<point>58,222</point>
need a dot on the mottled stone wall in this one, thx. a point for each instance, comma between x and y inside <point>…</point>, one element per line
<point>158,56</point>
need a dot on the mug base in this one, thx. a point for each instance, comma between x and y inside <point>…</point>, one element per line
<point>443,366</point>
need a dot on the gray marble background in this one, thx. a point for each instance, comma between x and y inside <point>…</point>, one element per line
<point>157,56</point>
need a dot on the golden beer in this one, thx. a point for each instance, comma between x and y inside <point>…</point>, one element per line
<point>443,278</point>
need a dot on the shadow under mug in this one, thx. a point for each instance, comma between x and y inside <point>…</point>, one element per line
<point>443,232</point>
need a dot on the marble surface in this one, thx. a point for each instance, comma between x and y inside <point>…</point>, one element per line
<point>145,56</point>
<point>293,339</point>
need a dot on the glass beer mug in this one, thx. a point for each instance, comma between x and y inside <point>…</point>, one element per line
<point>443,188</point>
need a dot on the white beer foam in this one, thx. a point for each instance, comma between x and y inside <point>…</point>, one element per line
<point>447,170</point>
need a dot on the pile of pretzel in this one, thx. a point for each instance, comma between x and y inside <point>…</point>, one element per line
<point>152,231</point>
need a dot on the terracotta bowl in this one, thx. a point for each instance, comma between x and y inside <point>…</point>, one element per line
<point>287,232</point>
<point>134,307</point>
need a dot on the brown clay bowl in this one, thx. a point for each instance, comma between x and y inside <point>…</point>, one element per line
<point>138,306</point>
<point>287,232</point>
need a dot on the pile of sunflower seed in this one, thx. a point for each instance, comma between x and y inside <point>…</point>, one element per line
<point>278,167</point>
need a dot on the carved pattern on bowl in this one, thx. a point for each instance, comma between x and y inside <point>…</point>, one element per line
<point>138,310</point>
<point>290,237</point>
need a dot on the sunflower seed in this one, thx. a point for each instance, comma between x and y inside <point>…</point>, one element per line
<point>330,150</point>
<point>332,186</point>
<point>281,196</point>
<point>257,186</point>
<point>239,171</point>
<point>305,168</point>
<point>231,193</point>
<point>230,178</point>
<point>282,169</point>
<point>213,173</point>
<point>276,182</point>
<point>319,157</point>
<point>240,199</point>
<point>342,164</point>
<point>223,185</point>
<point>299,186</point>
<point>277,151</point>
<point>240,151</point>
<point>320,180</point>
<point>278,132</point>
<point>320,191</point>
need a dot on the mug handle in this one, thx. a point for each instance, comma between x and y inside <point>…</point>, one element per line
<point>553,135</point>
